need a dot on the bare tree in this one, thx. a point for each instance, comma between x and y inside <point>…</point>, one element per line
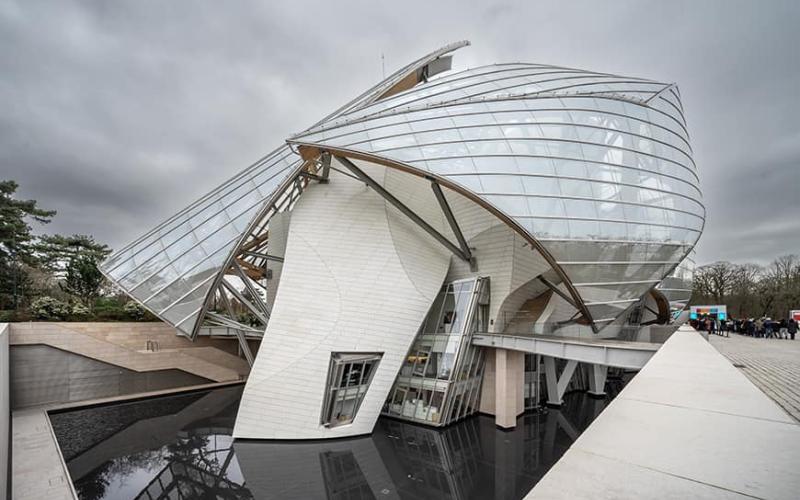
<point>750,290</point>
<point>715,280</point>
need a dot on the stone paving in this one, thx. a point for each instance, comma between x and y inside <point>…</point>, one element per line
<point>36,467</point>
<point>688,425</point>
<point>773,365</point>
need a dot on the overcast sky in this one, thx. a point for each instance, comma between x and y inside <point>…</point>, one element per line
<point>117,114</point>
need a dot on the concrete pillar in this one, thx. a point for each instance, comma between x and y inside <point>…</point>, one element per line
<point>509,380</point>
<point>597,380</point>
<point>556,386</point>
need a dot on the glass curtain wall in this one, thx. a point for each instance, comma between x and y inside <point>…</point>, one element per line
<point>440,380</point>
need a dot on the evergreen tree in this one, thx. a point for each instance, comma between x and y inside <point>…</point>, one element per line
<point>56,252</point>
<point>83,280</point>
<point>17,248</point>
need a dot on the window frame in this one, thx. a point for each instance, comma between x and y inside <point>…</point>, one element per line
<point>339,387</point>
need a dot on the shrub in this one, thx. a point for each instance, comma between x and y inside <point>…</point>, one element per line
<point>134,310</point>
<point>80,311</point>
<point>48,308</point>
<point>110,309</point>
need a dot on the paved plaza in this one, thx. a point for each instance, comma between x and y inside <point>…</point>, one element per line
<point>668,436</point>
<point>771,364</point>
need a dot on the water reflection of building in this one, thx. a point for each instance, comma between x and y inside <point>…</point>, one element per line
<point>161,446</point>
<point>430,463</point>
<point>340,469</point>
<point>471,459</point>
<point>199,468</point>
<point>182,447</point>
<point>474,459</point>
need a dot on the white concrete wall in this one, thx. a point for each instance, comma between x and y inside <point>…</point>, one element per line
<point>5,412</point>
<point>358,276</point>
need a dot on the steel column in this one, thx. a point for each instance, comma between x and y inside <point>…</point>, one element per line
<point>253,309</point>
<point>369,181</point>
<point>451,219</point>
<point>250,288</point>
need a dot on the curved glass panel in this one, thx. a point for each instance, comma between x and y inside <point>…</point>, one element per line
<point>597,167</point>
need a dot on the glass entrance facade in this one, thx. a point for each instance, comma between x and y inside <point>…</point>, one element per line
<point>440,380</point>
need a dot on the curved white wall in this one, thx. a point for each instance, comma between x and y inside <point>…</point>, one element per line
<point>357,276</point>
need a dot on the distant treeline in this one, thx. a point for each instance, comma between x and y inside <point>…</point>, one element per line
<point>750,290</point>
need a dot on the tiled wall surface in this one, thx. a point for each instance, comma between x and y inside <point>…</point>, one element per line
<point>358,276</point>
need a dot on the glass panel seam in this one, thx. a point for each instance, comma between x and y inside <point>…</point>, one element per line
<point>182,215</point>
<point>194,228</point>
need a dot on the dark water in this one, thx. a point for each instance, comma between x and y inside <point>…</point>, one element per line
<point>181,447</point>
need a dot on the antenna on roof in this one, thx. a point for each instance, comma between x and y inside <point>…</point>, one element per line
<point>383,66</point>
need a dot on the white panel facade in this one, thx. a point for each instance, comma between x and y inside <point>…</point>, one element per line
<point>344,288</point>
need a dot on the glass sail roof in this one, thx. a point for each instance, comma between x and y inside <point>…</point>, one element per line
<point>172,269</point>
<point>597,167</point>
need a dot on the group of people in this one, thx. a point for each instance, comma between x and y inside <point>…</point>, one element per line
<point>763,327</point>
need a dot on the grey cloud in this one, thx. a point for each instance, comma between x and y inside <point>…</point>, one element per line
<point>118,114</point>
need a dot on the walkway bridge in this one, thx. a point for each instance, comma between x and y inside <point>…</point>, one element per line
<point>607,352</point>
<point>506,380</point>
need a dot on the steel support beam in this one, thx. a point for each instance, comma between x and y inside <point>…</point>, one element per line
<point>325,158</point>
<point>253,309</point>
<point>225,302</point>
<point>244,347</point>
<point>369,181</point>
<point>314,177</point>
<point>262,256</point>
<point>549,284</point>
<point>660,92</point>
<point>451,219</point>
<point>229,323</point>
<point>557,385</point>
<point>250,288</point>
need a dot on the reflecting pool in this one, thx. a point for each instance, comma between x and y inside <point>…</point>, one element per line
<point>181,447</point>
